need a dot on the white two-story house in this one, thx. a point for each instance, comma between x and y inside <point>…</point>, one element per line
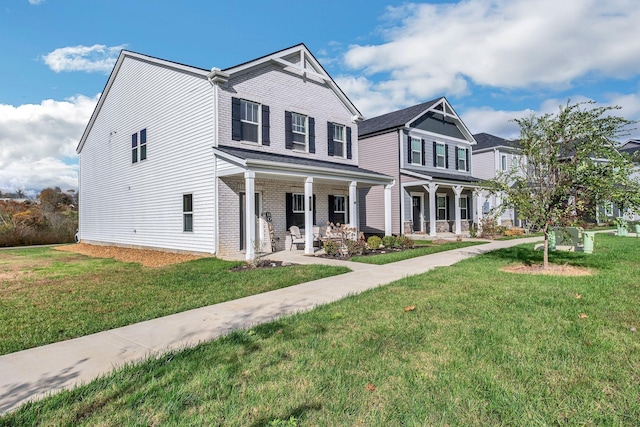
<point>491,156</point>
<point>217,161</point>
<point>426,148</point>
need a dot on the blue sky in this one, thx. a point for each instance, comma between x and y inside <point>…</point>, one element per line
<point>494,60</point>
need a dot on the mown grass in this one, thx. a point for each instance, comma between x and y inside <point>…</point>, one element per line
<point>482,347</point>
<point>48,295</point>
<point>427,249</point>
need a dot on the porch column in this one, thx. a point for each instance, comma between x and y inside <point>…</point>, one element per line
<point>479,202</point>
<point>432,188</point>
<point>498,209</point>
<point>353,205</point>
<point>250,213</point>
<point>387,210</point>
<point>308,215</point>
<point>457,190</point>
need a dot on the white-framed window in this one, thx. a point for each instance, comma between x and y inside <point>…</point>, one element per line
<point>503,162</point>
<point>139,143</point>
<point>250,120</point>
<point>299,129</point>
<point>187,212</point>
<point>464,207</point>
<point>339,204</point>
<point>339,140</point>
<point>441,205</point>
<point>297,204</point>
<point>441,155</point>
<point>462,158</point>
<point>608,208</point>
<point>416,151</point>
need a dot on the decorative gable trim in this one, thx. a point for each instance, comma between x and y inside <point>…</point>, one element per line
<point>443,107</point>
<point>307,66</point>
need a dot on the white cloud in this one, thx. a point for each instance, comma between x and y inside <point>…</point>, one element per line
<point>38,141</point>
<point>96,58</point>
<point>500,122</point>
<point>441,49</point>
<point>36,2</point>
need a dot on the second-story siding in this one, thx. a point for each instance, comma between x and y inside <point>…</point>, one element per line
<point>428,164</point>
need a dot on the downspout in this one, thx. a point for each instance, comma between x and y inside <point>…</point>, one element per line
<point>215,78</point>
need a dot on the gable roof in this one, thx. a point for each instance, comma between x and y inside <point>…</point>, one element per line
<point>394,119</point>
<point>631,146</point>
<point>297,59</point>
<point>405,117</point>
<point>487,141</point>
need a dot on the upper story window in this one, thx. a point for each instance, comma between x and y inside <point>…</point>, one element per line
<point>139,144</point>
<point>299,129</point>
<point>249,121</point>
<point>503,162</point>
<point>461,155</point>
<point>339,140</point>
<point>440,155</point>
<point>416,151</point>
<point>299,132</point>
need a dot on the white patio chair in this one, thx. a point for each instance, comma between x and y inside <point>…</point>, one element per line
<point>296,237</point>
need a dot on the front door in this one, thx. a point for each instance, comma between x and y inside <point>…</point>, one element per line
<point>417,213</point>
<point>258,223</point>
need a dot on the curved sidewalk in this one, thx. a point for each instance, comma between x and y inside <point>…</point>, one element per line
<point>33,373</point>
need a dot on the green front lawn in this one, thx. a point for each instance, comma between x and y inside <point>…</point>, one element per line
<point>426,248</point>
<point>48,295</point>
<point>480,347</point>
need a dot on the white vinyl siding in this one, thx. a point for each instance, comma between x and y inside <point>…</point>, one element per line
<point>140,204</point>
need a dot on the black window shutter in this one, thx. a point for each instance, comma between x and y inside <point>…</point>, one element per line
<point>424,161</point>
<point>314,209</point>
<point>448,210</point>
<point>409,152</point>
<point>456,157</point>
<point>330,138</point>
<point>332,216</point>
<point>312,135</point>
<point>468,163</point>
<point>266,127</point>
<point>289,209</point>
<point>288,131</point>
<point>349,144</point>
<point>446,155</point>
<point>236,126</point>
<point>435,153</point>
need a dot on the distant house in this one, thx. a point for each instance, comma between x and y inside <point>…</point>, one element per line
<point>427,149</point>
<point>611,210</point>
<point>220,161</point>
<point>493,155</point>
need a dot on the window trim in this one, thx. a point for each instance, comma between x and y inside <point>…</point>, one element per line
<point>186,213</point>
<point>443,155</point>
<point>418,151</point>
<point>438,208</point>
<point>296,144</point>
<point>258,123</point>
<point>294,196</point>
<point>461,154</point>
<point>342,141</point>
<point>464,217</point>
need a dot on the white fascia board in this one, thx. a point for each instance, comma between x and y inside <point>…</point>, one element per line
<point>303,170</point>
<point>504,148</point>
<point>230,158</point>
<point>439,136</point>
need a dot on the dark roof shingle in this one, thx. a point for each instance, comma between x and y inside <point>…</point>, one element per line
<point>486,140</point>
<point>394,119</point>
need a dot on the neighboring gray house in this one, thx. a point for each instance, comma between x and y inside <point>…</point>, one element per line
<point>189,159</point>
<point>426,148</point>
<point>491,156</point>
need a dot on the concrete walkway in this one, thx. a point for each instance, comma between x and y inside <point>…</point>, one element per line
<point>33,373</point>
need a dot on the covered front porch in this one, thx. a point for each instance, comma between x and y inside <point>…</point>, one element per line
<point>260,196</point>
<point>434,205</point>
